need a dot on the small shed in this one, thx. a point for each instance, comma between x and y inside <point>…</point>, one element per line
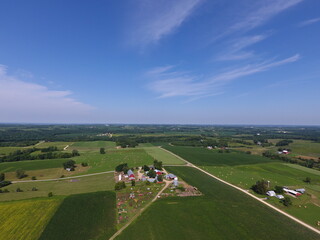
<point>271,193</point>
<point>280,197</point>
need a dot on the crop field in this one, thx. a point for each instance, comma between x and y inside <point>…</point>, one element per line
<point>161,155</point>
<point>102,182</point>
<point>222,213</point>
<point>31,165</point>
<point>107,162</point>
<point>205,157</point>
<point>25,220</point>
<point>83,216</point>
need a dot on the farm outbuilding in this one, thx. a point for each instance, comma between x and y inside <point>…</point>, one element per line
<point>300,190</point>
<point>170,176</point>
<point>271,193</point>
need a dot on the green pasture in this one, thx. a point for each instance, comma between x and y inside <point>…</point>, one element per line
<point>162,155</point>
<point>59,145</point>
<point>31,165</point>
<point>277,173</point>
<point>93,145</point>
<point>7,150</point>
<point>222,213</point>
<point>102,182</point>
<point>205,157</point>
<point>112,158</point>
<point>82,217</point>
<point>304,147</point>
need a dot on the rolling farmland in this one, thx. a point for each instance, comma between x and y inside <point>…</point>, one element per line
<point>213,215</point>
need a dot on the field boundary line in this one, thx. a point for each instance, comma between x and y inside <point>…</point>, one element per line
<point>249,194</point>
<point>56,179</point>
<point>140,212</point>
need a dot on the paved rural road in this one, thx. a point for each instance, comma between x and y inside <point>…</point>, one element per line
<point>56,179</point>
<point>142,209</point>
<point>246,192</point>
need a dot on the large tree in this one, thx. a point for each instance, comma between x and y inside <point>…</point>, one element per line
<point>102,151</point>
<point>261,187</point>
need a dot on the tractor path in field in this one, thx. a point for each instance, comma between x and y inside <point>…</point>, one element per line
<point>57,179</point>
<point>140,212</point>
<point>246,192</point>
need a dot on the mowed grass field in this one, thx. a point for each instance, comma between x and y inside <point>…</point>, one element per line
<point>205,157</point>
<point>165,157</point>
<point>107,162</point>
<point>31,165</point>
<point>93,145</point>
<point>102,182</point>
<point>25,220</point>
<point>221,213</point>
<point>307,148</point>
<point>83,217</point>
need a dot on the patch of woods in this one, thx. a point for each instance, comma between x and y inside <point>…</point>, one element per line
<point>3,181</point>
<point>46,153</point>
<point>309,163</point>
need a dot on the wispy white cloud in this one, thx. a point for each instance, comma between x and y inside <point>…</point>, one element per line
<point>168,83</point>
<point>236,50</point>
<point>263,12</point>
<point>160,18</point>
<point>308,22</point>
<point>22,101</point>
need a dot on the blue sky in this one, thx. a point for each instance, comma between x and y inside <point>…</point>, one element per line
<point>139,61</point>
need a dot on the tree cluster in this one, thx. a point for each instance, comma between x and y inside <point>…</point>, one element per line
<point>261,187</point>
<point>122,168</point>
<point>157,164</point>
<point>284,142</point>
<point>69,164</point>
<point>120,185</point>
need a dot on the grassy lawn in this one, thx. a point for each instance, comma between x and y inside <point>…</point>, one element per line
<point>222,213</point>
<point>107,162</point>
<point>161,155</point>
<point>103,182</point>
<point>31,165</point>
<point>205,157</point>
<point>82,217</point>
<point>25,220</point>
